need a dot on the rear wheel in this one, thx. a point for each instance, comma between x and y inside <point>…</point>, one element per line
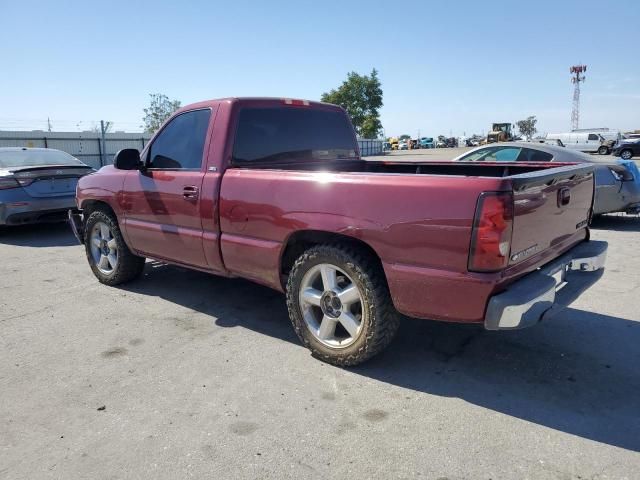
<point>109,257</point>
<point>339,305</point>
<point>626,154</point>
<point>603,150</point>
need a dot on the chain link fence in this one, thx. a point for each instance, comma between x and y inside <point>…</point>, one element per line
<point>86,146</point>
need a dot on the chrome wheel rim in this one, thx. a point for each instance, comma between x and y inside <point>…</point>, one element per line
<point>104,249</point>
<point>331,305</point>
<point>626,155</point>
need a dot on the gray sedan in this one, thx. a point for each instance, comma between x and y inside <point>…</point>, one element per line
<point>617,182</point>
<point>37,184</point>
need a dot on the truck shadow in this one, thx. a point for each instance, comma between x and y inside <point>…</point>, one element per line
<point>619,222</point>
<point>38,235</point>
<point>578,373</point>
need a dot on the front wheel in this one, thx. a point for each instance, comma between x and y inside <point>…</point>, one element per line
<point>109,257</point>
<point>626,154</point>
<point>339,305</point>
<point>603,150</point>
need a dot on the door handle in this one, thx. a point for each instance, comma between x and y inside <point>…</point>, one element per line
<point>190,192</point>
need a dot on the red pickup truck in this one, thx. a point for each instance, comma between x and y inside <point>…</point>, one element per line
<point>275,191</point>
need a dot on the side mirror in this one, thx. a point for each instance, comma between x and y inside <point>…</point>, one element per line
<point>127,159</point>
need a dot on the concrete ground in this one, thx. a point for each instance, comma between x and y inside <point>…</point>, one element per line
<point>182,375</point>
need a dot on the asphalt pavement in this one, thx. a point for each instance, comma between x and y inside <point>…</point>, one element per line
<point>185,375</point>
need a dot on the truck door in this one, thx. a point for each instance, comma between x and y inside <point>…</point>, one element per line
<point>162,203</point>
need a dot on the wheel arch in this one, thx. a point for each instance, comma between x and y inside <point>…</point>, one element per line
<point>300,241</point>
<point>89,206</point>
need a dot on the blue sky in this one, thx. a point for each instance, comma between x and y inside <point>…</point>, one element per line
<point>444,66</point>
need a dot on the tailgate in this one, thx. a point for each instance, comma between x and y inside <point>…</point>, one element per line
<point>550,206</point>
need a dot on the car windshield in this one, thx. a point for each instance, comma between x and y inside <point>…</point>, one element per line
<point>35,158</point>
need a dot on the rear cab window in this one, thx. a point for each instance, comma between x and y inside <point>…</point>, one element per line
<point>272,135</point>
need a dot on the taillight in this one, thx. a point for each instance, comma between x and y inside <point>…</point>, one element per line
<point>491,235</point>
<point>24,182</point>
<point>8,182</point>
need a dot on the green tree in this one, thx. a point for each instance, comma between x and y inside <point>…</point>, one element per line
<point>404,136</point>
<point>160,108</point>
<point>527,127</point>
<point>361,97</point>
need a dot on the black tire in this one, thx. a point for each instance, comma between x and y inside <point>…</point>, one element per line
<point>381,321</point>
<point>603,150</point>
<point>626,154</point>
<point>128,267</point>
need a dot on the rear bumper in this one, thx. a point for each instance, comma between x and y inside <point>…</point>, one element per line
<point>540,294</point>
<point>20,211</point>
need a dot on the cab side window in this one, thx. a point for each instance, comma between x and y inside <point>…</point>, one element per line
<point>592,136</point>
<point>180,145</point>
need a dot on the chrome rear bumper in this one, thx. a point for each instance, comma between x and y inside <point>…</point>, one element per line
<point>540,294</point>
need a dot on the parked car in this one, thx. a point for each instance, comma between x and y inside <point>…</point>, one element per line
<point>590,142</point>
<point>426,142</point>
<point>617,184</point>
<point>275,191</point>
<point>627,148</point>
<point>37,184</point>
<point>403,145</point>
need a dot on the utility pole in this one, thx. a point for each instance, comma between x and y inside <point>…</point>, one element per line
<point>48,125</point>
<point>577,77</point>
<point>103,157</point>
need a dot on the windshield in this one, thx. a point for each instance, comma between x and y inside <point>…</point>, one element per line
<point>35,158</point>
<point>290,134</point>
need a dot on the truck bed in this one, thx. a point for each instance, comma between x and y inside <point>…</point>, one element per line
<point>466,169</point>
<point>418,219</point>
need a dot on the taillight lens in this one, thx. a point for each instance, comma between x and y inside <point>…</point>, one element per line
<point>25,181</point>
<point>8,182</point>
<point>491,235</point>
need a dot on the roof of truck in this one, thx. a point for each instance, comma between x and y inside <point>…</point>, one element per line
<point>216,101</point>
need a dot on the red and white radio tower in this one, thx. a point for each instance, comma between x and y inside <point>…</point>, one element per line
<point>577,76</point>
